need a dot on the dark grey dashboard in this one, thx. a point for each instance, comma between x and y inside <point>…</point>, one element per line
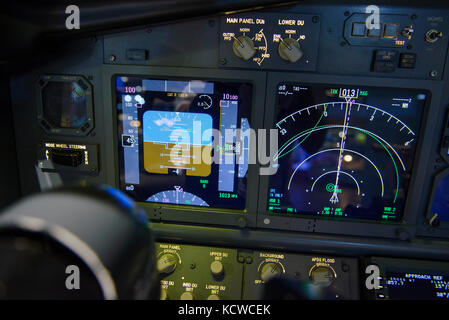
<point>335,49</point>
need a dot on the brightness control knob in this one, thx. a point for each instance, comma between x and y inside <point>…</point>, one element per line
<point>322,276</point>
<point>243,47</point>
<point>167,263</point>
<point>290,50</point>
<point>270,270</point>
<point>187,296</point>
<point>164,294</point>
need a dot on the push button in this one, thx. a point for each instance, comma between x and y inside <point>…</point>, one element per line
<point>384,61</point>
<point>385,55</point>
<point>391,31</point>
<point>136,54</point>
<point>375,33</point>
<point>358,29</point>
<point>407,60</point>
<point>383,66</point>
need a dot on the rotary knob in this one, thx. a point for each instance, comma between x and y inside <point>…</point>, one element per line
<point>408,32</point>
<point>167,263</point>
<point>433,35</point>
<point>322,276</point>
<point>243,47</point>
<point>187,296</point>
<point>290,50</point>
<point>270,270</point>
<point>213,297</point>
<point>164,294</point>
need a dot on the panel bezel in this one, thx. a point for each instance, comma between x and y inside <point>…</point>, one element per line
<point>404,228</point>
<point>43,81</point>
<point>190,214</point>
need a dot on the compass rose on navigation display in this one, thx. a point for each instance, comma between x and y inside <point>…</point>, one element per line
<point>344,151</point>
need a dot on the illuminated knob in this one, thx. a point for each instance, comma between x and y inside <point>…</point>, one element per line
<point>243,47</point>
<point>217,269</point>
<point>164,294</point>
<point>167,263</point>
<point>270,270</point>
<point>187,296</point>
<point>322,276</point>
<point>289,50</point>
<point>408,32</point>
<point>213,297</point>
<point>433,35</point>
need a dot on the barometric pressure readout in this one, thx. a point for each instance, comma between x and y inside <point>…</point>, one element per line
<point>344,151</point>
<point>168,150</point>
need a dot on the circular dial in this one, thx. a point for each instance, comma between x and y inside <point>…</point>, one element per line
<point>204,101</point>
<point>253,46</point>
<point>167,263</point>
<point>332,169</point>
<point>270,270</point>
<point>289,50</point>
<point>213,297</point>
<point>243,47</point>
<point>322,276</point>
<point>177,197</point>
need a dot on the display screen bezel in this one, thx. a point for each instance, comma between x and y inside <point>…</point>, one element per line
<point>188,214</point>
<point>352,226</point>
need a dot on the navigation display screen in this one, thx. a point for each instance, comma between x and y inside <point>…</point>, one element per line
<point>417,286</point>
<point>173,145</point>
<point>344,151</point>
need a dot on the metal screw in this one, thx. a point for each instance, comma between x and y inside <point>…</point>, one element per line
<point>192,266</point>
<point>346,13</point>
<point>433,73</point>
<point>315,19</point>
<point>112,58</point>
<point>223,61</point>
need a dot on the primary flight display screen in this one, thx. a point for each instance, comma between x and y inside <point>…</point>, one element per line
<point>174,141</point>
<point>344,151</point>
